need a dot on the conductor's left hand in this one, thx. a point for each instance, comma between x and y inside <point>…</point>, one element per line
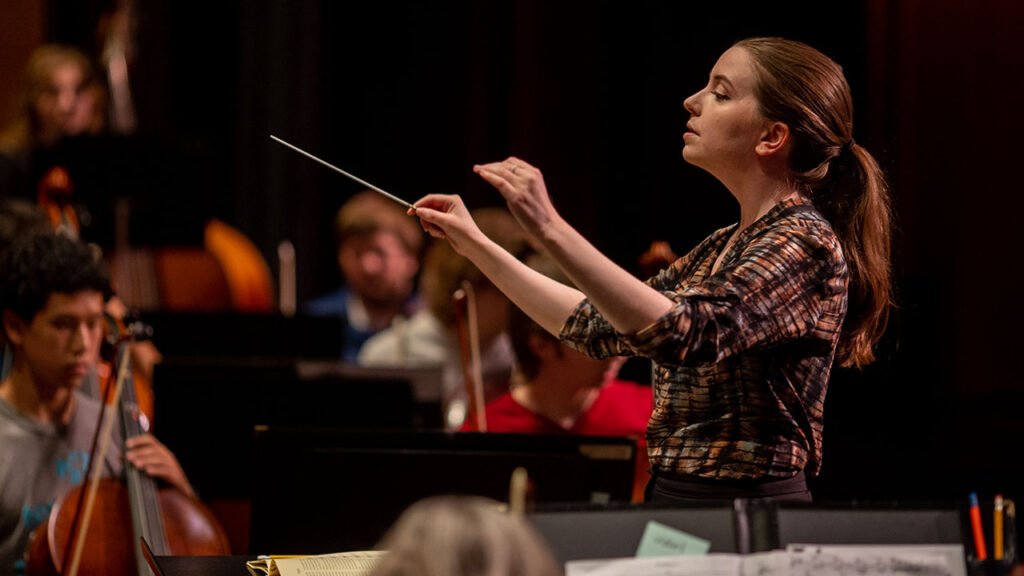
<point>525,192</point>
<point>148,454</point>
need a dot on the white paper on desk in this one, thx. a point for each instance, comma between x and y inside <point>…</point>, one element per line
<point>796,560</point>
<point>707,565</point>
<point>883,560</point>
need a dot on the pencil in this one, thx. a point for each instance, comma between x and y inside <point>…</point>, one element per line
<point>997,529</point>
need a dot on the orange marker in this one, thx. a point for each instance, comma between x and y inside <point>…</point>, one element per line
<point>979,536</point>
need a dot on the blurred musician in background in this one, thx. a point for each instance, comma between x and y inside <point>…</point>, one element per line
<point>430,337</point>
<point>378,251</point>
<point>19,219</point>
<point>463,536</point>
<point>61,97</point>
<point>73,147</point>
<point>559,390</point>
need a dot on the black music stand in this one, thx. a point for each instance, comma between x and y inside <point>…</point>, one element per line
<point>609,532</point>
<point>861,523</point>
<point>330,490</point>
<point>206,409</point>
<point>238,334</point>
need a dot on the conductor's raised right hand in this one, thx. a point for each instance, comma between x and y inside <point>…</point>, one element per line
<point>446,216</point>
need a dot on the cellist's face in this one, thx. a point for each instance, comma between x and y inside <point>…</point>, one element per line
<point>61,344</point>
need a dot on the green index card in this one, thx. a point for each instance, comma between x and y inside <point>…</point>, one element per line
<point>662,540</point>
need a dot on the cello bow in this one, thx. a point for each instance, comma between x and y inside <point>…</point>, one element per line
<point>469,345</point>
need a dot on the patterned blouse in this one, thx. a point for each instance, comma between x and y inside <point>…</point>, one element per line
<point>742,360</point>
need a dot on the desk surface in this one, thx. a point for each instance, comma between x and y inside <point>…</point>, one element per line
<point>203,565</point>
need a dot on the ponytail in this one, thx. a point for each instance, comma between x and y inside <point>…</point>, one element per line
<point>857,205</point>
<point>806,90</point>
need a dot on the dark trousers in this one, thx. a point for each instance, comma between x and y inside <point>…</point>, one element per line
<point>667,488</point>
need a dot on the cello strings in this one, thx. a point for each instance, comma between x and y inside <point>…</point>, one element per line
<point>342,172</point>
<point>141,486</point>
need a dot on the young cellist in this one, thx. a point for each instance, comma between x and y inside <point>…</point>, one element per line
<point>52,291</point>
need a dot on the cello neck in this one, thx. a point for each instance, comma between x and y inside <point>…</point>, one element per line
<point>144,499</point>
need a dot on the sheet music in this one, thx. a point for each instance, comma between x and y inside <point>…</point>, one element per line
<point>855,560</point>
<point>797,560</point>
<point>709,565</point>
<point>340,564</point>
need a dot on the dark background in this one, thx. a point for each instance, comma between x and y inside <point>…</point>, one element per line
<point>408,95</point>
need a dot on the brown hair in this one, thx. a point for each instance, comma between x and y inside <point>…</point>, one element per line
<point>368,212</point>
<point>19,219</point>
<point>463,536</point>
<point>806,90</point>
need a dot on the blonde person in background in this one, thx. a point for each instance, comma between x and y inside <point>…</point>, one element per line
<point>61,96</point>
<point>463,536</point>
<point>430,337</point>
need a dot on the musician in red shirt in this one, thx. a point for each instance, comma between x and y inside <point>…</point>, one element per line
<point>559,390</point>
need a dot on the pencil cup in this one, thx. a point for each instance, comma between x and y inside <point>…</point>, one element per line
<point>990,542</point>
<point>989,567</point>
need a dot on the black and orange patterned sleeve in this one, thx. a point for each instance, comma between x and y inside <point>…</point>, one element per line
<point>587,331</point>
<point>783,286</point>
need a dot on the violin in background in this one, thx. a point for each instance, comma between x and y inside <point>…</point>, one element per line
<point>657,257</point>
<point>54,198</point>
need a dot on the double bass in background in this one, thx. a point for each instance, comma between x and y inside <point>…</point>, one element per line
<point>92,176</point>
<point>227,271</point>
<point>97,528</point>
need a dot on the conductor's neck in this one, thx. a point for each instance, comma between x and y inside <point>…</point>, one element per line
<point>759,193</point>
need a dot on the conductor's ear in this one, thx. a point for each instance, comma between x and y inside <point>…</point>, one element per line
<point>773,139</point>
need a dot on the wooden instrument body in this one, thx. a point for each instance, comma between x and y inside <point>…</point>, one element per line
<point>191,530</point>
<point>121,513</point>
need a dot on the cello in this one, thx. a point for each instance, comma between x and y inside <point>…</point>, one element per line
<point>97,528</point>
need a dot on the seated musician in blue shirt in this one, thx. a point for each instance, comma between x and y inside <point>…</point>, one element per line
<point>378,249</point>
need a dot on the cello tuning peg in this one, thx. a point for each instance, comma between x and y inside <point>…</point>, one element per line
<point>140,330</point>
